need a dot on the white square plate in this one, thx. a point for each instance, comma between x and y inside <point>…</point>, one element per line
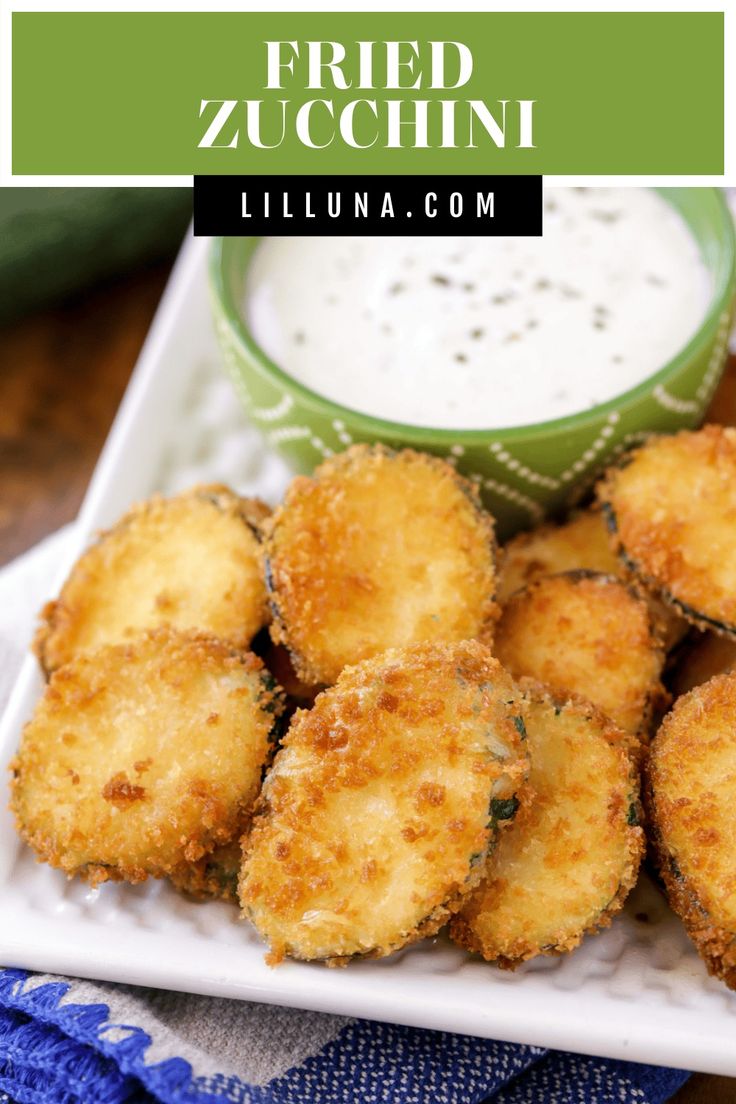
<point>637,992</point>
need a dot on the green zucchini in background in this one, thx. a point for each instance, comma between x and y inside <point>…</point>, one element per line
<point>58,241</point>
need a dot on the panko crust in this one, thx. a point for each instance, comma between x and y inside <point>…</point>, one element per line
<point>192,562</point>
<point>689,796</point>
<point>567,863</point>
<point>214,876</point>
<point>580,543</point>
<point>589,634</point>
<point>145,756</point>
<point>378,549</point>
<point>382,802</point>
<point>671,508</point>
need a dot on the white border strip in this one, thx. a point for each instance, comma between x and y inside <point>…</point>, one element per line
<point>157,181</point>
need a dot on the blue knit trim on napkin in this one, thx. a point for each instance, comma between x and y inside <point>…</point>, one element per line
<point>54,1053</point>
<point>78,1031</point>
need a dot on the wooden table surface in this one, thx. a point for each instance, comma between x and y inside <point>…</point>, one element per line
<point>62,375</point>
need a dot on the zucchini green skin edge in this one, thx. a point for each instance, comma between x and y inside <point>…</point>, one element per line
<point>221,500</point>
<point>499,819</point>
<point>597,923</point>
<point>279,629</point>
<point>715,945</point>
<point>700,620</point>
<point>208,880</point>
<point>225,879</point>
<point>220,881</point>
<point>602,919</point>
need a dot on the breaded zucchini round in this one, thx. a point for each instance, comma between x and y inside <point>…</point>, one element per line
<point>379,810</point>
<point>580,543</point>
<point>671,506</point>
<point>214,875</point>
<point>704,657</point>
<point>587,634</point>
<point>379,549</point>
<point>566,864</point>
<point>691,795</point>
<point>143,756</point>
<point>190,562</point>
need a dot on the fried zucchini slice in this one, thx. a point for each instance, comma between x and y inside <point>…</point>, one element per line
<point>671,506</point>
<point>704,657</point>
<point>143,756</point>
<point>379,549</point>
<point>213,876</point>
<point>377,815</point>
<point>690,794</point>
<point>190,562</point>
<point>587,634</point>
<point>567,862</point>
<point>580,543</point>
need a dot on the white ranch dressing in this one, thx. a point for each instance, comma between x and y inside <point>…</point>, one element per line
<point>475,333</point>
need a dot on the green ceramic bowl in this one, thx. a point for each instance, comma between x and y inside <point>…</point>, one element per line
<point>523,472</point>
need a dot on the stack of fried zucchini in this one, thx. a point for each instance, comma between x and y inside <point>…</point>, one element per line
<point>466,742</point>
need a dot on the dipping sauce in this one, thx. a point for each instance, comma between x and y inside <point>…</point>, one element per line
<point>479,333</point>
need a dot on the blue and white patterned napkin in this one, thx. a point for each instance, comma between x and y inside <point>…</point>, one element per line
<point>67,1041</point>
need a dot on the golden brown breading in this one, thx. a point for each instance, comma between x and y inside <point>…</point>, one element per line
<point>382,802</point>
<point>379,549</point>
<point>580,543</point>
<point>567,862</point>
<point>214,875</point>
<point>671,506</point>
<point>143,756</point>
<point>587,634</point>
<point>190,562</point>
<point>691,794</point>
<point>705,656</point>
